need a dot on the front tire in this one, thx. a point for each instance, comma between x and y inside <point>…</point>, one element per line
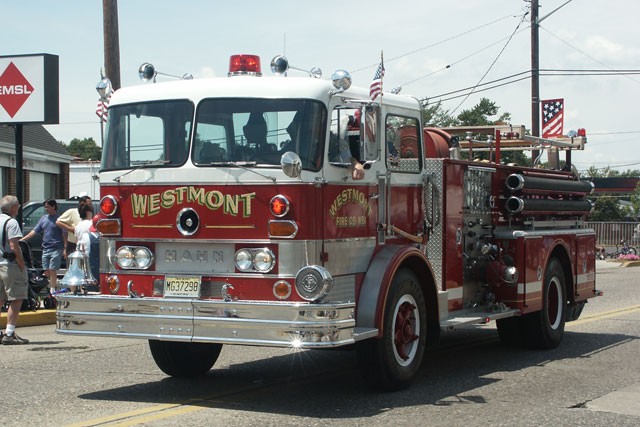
<point>184,359</point>
<point>393,361</point>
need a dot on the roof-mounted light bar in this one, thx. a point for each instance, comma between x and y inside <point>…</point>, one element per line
<point>243,65</point>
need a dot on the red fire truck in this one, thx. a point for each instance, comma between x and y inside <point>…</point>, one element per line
<point>230,215</point>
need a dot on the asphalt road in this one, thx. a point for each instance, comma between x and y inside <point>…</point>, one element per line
<point>592,379</point>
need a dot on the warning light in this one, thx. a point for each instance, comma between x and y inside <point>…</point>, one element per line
<point>582,132</point>
<point>279,205</point>
<point>108,205</point>
<point>244,65</point>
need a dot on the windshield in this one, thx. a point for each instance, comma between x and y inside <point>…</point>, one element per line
<point>259,131</point>
<point>153,132</point>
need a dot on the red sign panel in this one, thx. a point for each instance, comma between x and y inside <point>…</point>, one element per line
<point>14,89</point>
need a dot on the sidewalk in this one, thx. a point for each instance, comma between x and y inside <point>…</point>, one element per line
<point>32,318</point>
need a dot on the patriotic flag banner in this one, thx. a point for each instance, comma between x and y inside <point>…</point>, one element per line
<point>552,118</point>
<point>102,110</point>
<point>375,88</point>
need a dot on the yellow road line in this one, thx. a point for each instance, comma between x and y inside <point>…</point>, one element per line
<point>166,410</point>
<point>162,411</point>
<point>605,315</point>
<point>124,415</point>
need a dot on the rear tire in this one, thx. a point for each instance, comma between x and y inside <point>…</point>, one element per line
<point>393,361</point>
<point>545,328</point>
<point>184,359</point>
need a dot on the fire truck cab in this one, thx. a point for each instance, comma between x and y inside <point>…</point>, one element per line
<point>230,215</point>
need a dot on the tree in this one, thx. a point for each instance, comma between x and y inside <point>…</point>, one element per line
<point>435,116</point>
<point>479,115</point>
<point>86,149</point>
<point>635,202</point>
<point>606,209</point>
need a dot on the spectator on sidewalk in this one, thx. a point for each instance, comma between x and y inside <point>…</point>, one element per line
<point>54,240</point>
<point>13,273</point>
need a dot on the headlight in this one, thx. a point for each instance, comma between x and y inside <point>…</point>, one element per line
<point>243,260</point>
<point>124,257</point>
<point>143,257</point>
<point>134,257</point>
<point>263,260</point>
<point>260,260</point>
<point>313,282</point>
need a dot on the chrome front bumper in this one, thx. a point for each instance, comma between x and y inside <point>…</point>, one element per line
<point>275,324</point>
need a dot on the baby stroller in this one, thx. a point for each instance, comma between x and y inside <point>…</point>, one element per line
<point>38,283</point>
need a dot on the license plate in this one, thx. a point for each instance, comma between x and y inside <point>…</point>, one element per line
<point>182,286</point>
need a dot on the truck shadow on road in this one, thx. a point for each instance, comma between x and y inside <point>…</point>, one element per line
<point>452,374</point>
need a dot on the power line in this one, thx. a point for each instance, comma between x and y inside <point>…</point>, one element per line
<point>493,63</point>
<point>482,90</point>
<point>434,44</point>
<point>482,84</point>
<point>615,133</point>
<point>584,53</point>
<point>556,72</point>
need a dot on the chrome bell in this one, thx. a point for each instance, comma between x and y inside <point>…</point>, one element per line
<point>78,271</point>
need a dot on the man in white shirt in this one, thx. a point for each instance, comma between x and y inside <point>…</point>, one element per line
<point>68,221</point>
<point>13,274</point>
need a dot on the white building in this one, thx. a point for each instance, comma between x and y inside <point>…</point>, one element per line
<point>83,178</point>
<point>45,164</point>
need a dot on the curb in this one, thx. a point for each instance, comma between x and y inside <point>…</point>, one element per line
<point>625,263</point>
<point>32,318</point>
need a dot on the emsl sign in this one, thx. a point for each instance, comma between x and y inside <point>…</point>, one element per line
<point>29,89</point>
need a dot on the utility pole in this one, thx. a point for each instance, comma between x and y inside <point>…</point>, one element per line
<point>535,76</point>
<point>111,42</point>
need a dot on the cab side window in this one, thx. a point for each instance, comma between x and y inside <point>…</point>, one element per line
<point>402,142</point>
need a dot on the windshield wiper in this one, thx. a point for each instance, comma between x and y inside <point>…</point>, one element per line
<point>142,166</point>
<point>230,163</point>
<point>244,165</point>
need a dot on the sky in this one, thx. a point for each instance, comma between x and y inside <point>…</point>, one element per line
<point>430,47</point>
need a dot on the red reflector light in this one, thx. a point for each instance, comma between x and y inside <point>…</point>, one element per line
<point>108,205</point>
<point>244,64</point>
<point>279,205</point>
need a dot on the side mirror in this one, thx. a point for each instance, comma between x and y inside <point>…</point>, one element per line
<point>291,164</point>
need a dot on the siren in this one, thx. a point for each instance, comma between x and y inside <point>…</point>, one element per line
<point>147,72</point>
<point>280,65</point>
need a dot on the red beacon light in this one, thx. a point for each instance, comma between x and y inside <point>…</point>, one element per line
<point>242,65</point>
<point>582,132</point>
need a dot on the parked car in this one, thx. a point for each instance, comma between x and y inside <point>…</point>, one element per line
<point>31,214</point>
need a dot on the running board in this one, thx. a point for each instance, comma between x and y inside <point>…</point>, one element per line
<point>471,318</point>
<point>360,334</point>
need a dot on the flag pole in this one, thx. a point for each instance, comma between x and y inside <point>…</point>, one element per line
<point>382,76</point>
